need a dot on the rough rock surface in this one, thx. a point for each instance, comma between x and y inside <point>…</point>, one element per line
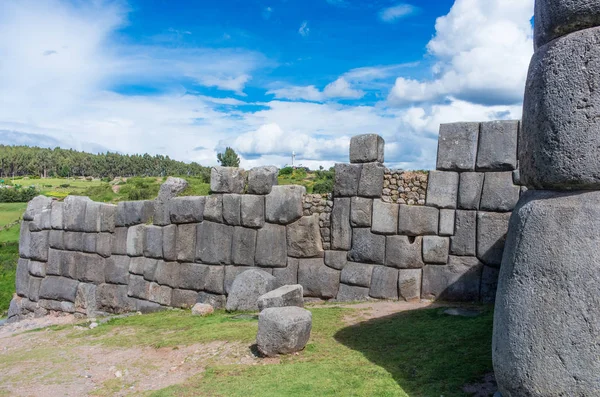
<point>262,179</point>
<point>347,177</point>
<point>247,288</point>
<point>404,252</point>
<point>554,18</point>
<point>283,330</point>
<point>498,146</point>
<point>202,309</point>
<point>458,280</point>
<point>457,146</point>
<point>288,295</point>
<point>304,238</point>
<point>318,280</point>
<point>367,148</point>
<point>546,320</point>
<point>227,180</point>
<point>442,189</point>
<point>284,204</point>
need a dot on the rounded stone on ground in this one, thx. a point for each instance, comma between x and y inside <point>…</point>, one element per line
<point>202,309</point>
<point>283,330</point>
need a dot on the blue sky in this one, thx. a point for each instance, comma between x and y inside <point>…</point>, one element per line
<point>187,78</point>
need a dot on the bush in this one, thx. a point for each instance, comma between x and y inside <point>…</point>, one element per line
<point>102,193</point>
<point>65,185</point>
<point>140,189</point>
<point>106,179</point>
<point>323,186</point>
<point>17,195</point>
<point>286,171</point>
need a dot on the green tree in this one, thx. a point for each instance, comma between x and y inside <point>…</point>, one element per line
<point>229,158</point>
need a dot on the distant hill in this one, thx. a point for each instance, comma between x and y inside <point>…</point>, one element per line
<point>27,160</point>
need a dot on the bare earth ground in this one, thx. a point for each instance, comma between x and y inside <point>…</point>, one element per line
<point>99,370</point>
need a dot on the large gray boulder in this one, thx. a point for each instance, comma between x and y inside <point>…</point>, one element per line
<point>385,217</point>
<point>36,206</point>
<point>404,252</point>
<point>283,330</point>
<point>347,177</point>
<point>318,280</point>
<point>547,314</point>
<point>288,295</point>
<point>418,221</point>
<point>271,246</point>
<point>367,247</point>
<point>498,146</point>
<point>227,180</point>
<point>171,188</point>
<point>284,204</point>
<point>186,209</point>
<point>469,191</point>
<point>384,283</point>
<point>442,189</point>
<point>367,148</point>
<point>360,211</point>
<point>555,18</point>
<point>499,193</point>
<point>247,288</point>
<point>304,238</point>
<point>559,140</point>
<point>262,179</point>
<point>371,180</point>
<point>457,146</point>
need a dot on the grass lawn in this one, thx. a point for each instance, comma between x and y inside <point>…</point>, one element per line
<point>416,353</point>
<point>10,212</point>
<point>9,254</point>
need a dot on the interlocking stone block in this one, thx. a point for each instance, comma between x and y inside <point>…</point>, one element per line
<point>457,146</point>
<point>336,259</point>
<point>384,283</point>
<point>284,204</point>
<point>227,180</point>
<point>104,244</point>
<point>262,179</point>
<point>135,240</point>
<point>435,249</point>
<point>39,245</point>
<point>341,231</point>
<point>442,189</point>
<point>150,266</point>
<point>554,19</point>
<point>459,280</point>
<point>559,140</point>
<point>247,288</point>
<point>232,209</point>
<point>56,239</point>
<point>360,211</point>
<point>489,284</point>
<point>169,243</point>
<point>138,287</point>
<point>73,241</point>
<point>58,288</point>
<point>92,217</point>
<point>171,188</point>
<point>89,242</point>
<point>367,148</point>
<point>167,273</point>
<point>491,235</point>
<point>186,242</point>
<point>304,238</point>
<point>367,247</point>
<point>358,274</point>
<point>191,276</point>
<point>371,180</point>
<point>131,213</point>
<point>89,268</point>
<point>417,220</point>
<point>243,246</point>
<point>187,209</point>
<point>447,222</point>
<point>284,296</point>
<point>404,252</point>
<point>271,246</point>
<point>347,177</point>
<point>119,241</point>
<point>213,243</point>
<point>74,213</point>
<point>85,299</point>
<point>287,275</point>
<point>352,293</point>
<point>160,294</point>
<point>231,272</point>
<point>318,280</point>
<point>213,208</point>
<point>469,191</point>
<point>465,234</point>
<point>153,243</point>
<point>36,206</point>
<point>53,266</point>
<point>498,146</point>
<point>499,193</point>
<point>56,215</point>
<point>184,298</point>
<point>409,284</point>
<point>283,330</point>
<point>24,240</point>
<point>22,277</point>
<point>214,279</point>
<point>114,299</point>
<point>33,293</point>
<point>116,270</point>
<point>385,217</point>
<point>216,301</point>
<point>253,211</point>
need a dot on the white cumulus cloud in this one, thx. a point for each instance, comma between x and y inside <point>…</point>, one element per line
<point>394,13</point>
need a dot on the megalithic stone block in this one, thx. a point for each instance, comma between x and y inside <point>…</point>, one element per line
<point>213,208</point>
<point>559,135</point>
<point>371,180</point>
<point>459,280</point>
<point>404,252</point>
<point>352,293</point>
<point>213,243</point>
<point>347,178</point>
<point>457,146</point>
<point>547,306</point>
<point>491,235</point>
<point>304,238</point>
<point>186,242</point>
<point>133,212</point>
<point>56,216</point>
<point>499,193</point>
<point>469,191</point>
<point>442,189</point>
<point>498,146</point>
<point>107,217</point>
<point>367,247</point>
<point>135,240</point>
<point>186,209</point>
<point>271,246</point>
<point>243,246</point>
<point>169,243</point>
<point>360,211</point>
<point>284,204</point>
<point>417,221</point>
<point>153,241</point>
<point>384,283</point>
<point>227,180</point>
<point>341,232</point>
<point>171,188</point>
<point>287,275</point>
<point>232,209</point>
<point>556,18</point>
<point>435,249</point>
<point>367,148</point>
<point>358,274</point>
<point>253,211</point>
<point>463,243</point>
<point>318,280</point>
<point>262,179</point>
<point>409,284</point>
<point>92,217</point>
<point>36,206</point>
<point>447,218</point>
<point>74,213</point>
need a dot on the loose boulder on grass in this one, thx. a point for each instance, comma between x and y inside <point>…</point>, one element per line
<point>283,330</point>
<point>247,288</point>
<point>288,295</point>
<point>202,309</point>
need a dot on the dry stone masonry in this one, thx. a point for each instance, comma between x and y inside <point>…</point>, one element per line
<point>436,236</point>
<point>547,317</point>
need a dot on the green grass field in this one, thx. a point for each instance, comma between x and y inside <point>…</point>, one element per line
<point>417,353</point>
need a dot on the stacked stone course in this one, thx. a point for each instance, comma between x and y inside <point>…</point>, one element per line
<point>404,187</point>
<point>355,244</point>
<point>547,317</point>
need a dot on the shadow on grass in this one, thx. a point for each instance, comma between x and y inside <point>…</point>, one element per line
<point>427,352</point>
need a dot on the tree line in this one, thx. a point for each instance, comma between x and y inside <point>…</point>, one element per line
<point>57,162</point>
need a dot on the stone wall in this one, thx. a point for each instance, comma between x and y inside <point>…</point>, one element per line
<point>82,256</point>
<point>404,187</point>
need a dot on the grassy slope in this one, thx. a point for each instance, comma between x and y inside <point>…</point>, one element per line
<point>419,353</point>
